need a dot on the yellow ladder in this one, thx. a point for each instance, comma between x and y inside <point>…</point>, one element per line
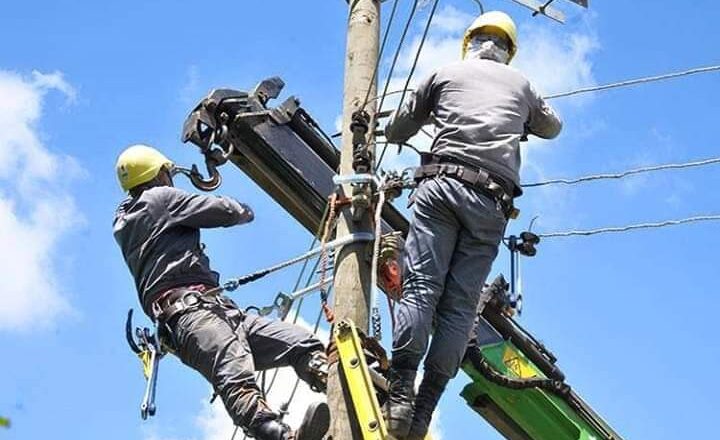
<point>359,382</point>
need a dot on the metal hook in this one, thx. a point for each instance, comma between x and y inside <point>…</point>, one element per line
<point>129,333</point>
<point>214,180</point>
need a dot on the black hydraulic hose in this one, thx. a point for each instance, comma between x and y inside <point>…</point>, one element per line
<point>479,361</point>
<point>534,351</point>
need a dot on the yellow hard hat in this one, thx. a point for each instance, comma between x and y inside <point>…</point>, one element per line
<point>139,164</point>
<point>494,22</point>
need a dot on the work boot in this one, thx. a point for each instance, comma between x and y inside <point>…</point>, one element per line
<point>313,370</point>
<point>314,426</point>
<point>431,388</point>
<point>316,422</point>
<point>271,430</point>
<point>399,406</point>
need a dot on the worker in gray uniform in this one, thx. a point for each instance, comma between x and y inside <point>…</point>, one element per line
<point>481,108</point>
<point>158,229</point>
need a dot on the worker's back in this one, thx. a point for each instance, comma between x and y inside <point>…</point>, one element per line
<point>481,108</point>
<point>159,249</point>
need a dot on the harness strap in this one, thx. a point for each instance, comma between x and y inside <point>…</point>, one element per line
<point>474,177</point>
<point>182,299</point>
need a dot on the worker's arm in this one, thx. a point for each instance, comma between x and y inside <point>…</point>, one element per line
<point>543,121</point>
<point>204,211</point>
<point>413,114</point>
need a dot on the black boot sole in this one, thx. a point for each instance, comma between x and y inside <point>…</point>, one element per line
<point>316,422</point>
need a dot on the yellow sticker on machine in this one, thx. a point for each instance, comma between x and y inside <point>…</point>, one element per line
<point>517,363</point>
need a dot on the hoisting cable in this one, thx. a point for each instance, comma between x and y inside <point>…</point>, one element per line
<point>702,218</point>
<point>671,166</point>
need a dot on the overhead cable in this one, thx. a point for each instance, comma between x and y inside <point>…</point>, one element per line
<point>412,69</point>
<point>671,166</point>
<point>418,52</point>
<point>408,22</point>
<point>633,82</point>
<point>702,218</point>
<point>380,54</point>
<point>620,84</point>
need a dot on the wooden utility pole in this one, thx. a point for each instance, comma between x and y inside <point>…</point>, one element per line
<point>352,269</point>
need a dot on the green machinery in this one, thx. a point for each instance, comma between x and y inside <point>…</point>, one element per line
<point>516,386</point>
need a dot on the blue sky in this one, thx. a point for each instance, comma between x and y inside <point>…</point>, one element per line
<point>631,316</point>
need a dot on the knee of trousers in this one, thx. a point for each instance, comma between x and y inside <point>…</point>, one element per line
<point>245,403</point>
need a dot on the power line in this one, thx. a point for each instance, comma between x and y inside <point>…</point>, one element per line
<point>702,218</point>
<point>408,22</point>
<point>410,74</point>
<point>380,54</point>
<point>418,52</point>
<point>633,82</point>
<point>672,166</point>
<point>620,84</point>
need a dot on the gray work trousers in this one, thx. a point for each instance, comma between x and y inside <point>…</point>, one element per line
<point>227,346</point>
<point>452,242</point>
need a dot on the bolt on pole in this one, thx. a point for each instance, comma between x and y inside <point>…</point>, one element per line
<point>352,267</point>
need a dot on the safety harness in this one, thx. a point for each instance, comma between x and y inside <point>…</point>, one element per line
<point>435,165</point>
<point>174,301</point>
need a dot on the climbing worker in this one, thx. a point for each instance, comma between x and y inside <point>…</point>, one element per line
<point>158,229</point>
<point>482,108</point>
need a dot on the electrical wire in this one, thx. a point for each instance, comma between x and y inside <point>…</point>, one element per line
<point>671,166</point>
<point>380,54</point>
<point>408,22</point>
<point>637,81</point>
<point>412,69</point>
<point>702,218</point>
<point>626,83</point>
<point>418,52</point>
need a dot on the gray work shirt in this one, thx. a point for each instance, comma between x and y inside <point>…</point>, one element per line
<point>481,109</point>
<point>159,234</point>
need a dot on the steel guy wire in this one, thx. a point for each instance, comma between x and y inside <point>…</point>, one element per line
<point>574,233</point>
<point>671,166</point>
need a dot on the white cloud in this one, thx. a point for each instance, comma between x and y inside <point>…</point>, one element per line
<point>556,61</point>
<point>36,209</point>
